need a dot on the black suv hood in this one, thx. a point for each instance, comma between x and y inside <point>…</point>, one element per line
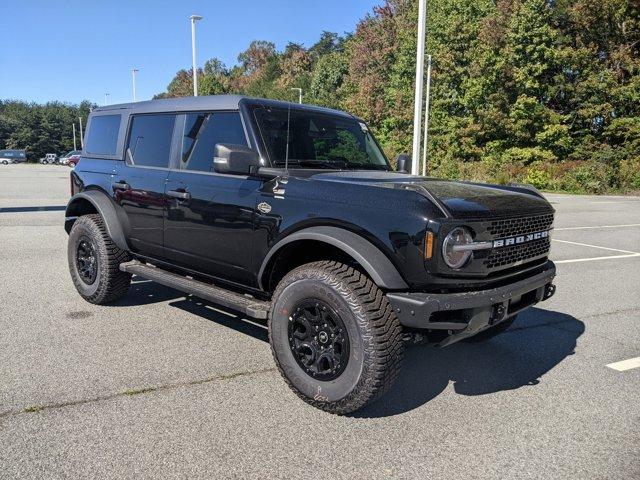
<point>458,199</point>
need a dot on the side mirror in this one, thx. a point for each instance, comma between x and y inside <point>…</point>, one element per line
<point>234,159</point>
<point>401,163</point>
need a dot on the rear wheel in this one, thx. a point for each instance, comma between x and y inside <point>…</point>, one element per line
<point>334,336</point>
<point>94,262</point>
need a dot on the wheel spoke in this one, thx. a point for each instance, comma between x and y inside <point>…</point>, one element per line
<point>318,340</point>
<point>86,260</point>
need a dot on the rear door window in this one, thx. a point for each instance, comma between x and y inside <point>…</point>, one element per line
<point>149,143</point>
<point>202,132</point>
<point>102,138</point>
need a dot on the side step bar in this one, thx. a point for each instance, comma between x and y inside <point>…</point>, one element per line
<point>226,298</point>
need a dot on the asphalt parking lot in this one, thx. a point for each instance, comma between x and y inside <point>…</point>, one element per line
<point>163,386</point>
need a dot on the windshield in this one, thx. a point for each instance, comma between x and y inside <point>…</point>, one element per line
<point>318,140</point>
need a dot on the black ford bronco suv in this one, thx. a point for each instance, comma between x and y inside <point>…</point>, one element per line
<point>292,214</point>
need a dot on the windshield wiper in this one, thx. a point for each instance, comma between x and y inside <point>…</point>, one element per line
<point>336,164</point>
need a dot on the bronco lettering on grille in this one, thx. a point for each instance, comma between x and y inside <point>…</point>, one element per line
<point>505,242</point>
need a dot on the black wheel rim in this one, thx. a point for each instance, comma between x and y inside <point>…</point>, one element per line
<point>86,260</point>
<point>318,339</point>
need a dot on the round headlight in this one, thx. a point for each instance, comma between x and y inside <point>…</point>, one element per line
<point>456,258</point>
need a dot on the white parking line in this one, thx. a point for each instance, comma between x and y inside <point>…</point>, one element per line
<point>596,258</point>
<point>602,226</point>
<point>625,364</point>
<point>595,246</point>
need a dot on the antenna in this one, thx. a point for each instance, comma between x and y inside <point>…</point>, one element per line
<point>286,155</point>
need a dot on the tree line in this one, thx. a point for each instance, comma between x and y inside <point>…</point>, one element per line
<point>41,128</point>
<point>545,92</point>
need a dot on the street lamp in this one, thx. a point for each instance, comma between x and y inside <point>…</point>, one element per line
<point>425,146</point>
<point>105,98</point>
<point>133,75</point>
<point>417,112</point>
<point>194,19</point>
<point>81,134</point>
<point>299,90</point>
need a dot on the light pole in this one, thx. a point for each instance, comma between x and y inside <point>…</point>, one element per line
<point>81,139</point>
<point>105,98</point>
<point>417,111</point>
<point>299,90</point>
<point>74,135</point>
<point>194,19</point>
<point>426,120</point>
<point>133,76</point>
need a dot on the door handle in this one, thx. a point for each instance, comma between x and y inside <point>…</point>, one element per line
<point>121,185</point>
<point>181,195</point>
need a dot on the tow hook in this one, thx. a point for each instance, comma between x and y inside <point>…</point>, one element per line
<point>549,290</point>
<point>498,313</point>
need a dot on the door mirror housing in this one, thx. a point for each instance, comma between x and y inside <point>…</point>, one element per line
<point>235,159</point>
<point>402,161</point>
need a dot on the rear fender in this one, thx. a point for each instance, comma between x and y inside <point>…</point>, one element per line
<point>101,204</point>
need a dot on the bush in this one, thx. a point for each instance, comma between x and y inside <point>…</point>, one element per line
<point>586,177</point>
<point>538,176</point>
<point>527,156</point>
<point>629,173</point>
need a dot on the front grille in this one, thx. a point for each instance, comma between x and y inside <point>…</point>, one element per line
<point>519,226</point>
<point>500,257</point>
<point>520,253</point>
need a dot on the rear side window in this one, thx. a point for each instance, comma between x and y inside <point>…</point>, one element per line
<point>102,138</point>
<point>149,143</point>
<point>202,132</point>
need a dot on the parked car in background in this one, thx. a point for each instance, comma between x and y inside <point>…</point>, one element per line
<point>64,159</point>
<point>49,159</point>
<point>74,159</point>
<point>12,156</point>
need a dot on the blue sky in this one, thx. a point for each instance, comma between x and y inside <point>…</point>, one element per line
<point>75,50</point>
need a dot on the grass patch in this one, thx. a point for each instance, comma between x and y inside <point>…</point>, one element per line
<point>33,409</point>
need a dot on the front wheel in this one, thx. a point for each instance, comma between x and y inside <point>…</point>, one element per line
<point>94,262</point>
<point>336,340</point>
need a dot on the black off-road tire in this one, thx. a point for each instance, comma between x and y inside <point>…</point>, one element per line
<point>491,332</point>
<point>376,348</point>
<point>110,283</point>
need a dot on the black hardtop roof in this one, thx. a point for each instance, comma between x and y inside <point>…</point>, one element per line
<point>207,102</point>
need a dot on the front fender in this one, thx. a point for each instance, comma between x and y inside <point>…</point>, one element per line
<point>375,263</point>
<point>103,205</point>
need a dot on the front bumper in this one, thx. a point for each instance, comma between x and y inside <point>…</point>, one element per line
<point>468,313</point>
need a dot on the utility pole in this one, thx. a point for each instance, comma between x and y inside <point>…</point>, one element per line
<point>194,19</point>
<point>133,75</point>
<point>74,135</point>
<point>81,139</point>
<point>417,111</point>
<point>425,157</point>
<point>299,90</point>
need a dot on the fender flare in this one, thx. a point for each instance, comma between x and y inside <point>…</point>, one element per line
<point>375,263</point>
<point>104,206</point>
